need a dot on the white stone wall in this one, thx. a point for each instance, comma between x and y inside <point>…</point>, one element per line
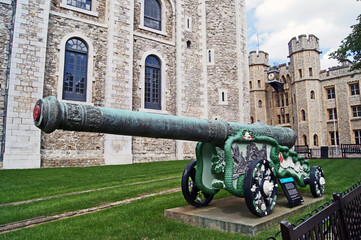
<point>193,85</point>
<point>22,147</point>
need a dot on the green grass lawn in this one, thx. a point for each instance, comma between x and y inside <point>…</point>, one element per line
<point>142,219</point>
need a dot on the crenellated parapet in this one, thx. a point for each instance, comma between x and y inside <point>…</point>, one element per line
<point>260,58</point>
<point>336,71</point>
<point>303,43</point>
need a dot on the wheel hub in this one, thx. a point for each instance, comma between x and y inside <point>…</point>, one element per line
<point>268,188</point>
<point>322,181</point>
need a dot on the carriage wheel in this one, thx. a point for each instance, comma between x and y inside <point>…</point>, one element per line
<point>260,188</point>
<point>317,181</point>
<point>192,194</point>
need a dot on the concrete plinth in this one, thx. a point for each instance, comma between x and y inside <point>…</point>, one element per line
<point>231,214</point>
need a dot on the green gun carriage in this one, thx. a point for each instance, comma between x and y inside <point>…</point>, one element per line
<point>245,159</point>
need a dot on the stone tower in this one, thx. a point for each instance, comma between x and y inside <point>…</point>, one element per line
<point>304,54</point>
<point>258,65</point>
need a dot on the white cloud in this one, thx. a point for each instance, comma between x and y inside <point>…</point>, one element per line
<point>326,62</point>
<point>277,21</point>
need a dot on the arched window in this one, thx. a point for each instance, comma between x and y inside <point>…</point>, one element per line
<point>152,14</point>
<point>152,98</point>
<point>303,115</point>
<point>312,94</point>
<point>75,70</point>
<point>289,79</point>
<point>305,139</point>
<point>252,121</point>
<point>315,140</point>
<point>260,104</point>
<point>284,79</point>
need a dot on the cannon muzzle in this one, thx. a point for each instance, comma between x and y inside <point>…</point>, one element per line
<point>50,114</point>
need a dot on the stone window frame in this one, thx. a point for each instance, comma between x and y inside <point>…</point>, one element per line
<point>164,90</point>
<point>223,97</point>
<point>304,138</point>
<point>287,117</point>
<point>357,134</point>
<point>164,20</point>
<point>312,95</point>
<point>210,56</point>
<point>310,72</point>
<point>188,23</point>
<point>334,138</point>
<point>153,65</point>
<point>92,12</point>
<point>315,140</point>
<point>332,114</point>
<point>303,115</point>
<point>330,92</point>
<point>60,74</point>
<point>356,110</point>
<point>354,88</point>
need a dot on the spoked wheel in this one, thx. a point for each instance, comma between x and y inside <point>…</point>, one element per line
<point>192,194</point>
<point>260,188</point>
<point>317,181</point>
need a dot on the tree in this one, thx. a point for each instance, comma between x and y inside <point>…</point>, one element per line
<point>350,48</point>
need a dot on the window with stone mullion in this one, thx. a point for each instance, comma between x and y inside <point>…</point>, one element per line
<point>357,136</point>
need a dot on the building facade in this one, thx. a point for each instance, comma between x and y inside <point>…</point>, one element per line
<point>176,57</point>
<point>322,106</point>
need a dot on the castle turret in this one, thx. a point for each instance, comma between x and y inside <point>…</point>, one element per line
<point>258,65</point>
<point>260,58</point>
<point>304,54</point>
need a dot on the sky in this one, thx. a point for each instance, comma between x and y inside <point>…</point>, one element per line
<point>272,23</point>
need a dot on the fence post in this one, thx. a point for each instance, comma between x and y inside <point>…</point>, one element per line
<point>286,229</point>
<point>341,216</point>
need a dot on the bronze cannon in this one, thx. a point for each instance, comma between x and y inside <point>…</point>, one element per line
<point>244,159</point>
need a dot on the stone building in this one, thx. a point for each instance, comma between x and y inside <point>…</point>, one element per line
<point>322,106</point>
<point>177,57</point>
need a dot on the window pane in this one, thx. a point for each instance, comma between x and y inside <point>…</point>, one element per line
<point>152,83</point>
<point>152,14</point>
<point>75,70</point>
<point>84,4</point>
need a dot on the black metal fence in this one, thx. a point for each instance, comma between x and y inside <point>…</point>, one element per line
<point>339,218</point>
<point>341,151</point>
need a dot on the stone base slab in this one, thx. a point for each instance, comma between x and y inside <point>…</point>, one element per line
<point>231,214</point>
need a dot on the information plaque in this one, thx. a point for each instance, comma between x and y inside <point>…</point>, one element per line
<point>290,189</point>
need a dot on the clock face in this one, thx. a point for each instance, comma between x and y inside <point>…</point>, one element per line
<point>271,76</point>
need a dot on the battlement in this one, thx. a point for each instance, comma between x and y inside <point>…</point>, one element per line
<point>303,43</point>
<point>336,71</point>
<point>258,59</point>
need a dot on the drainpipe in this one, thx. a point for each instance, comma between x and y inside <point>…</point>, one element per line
<point>7,79</point>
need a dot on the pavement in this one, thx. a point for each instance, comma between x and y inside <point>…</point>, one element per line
<point>231,214</point>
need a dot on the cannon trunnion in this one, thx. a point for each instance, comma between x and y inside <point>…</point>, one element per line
<point>244,159</point>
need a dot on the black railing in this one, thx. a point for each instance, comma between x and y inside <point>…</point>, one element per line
<point>341,151</point>
<point>339,218</point>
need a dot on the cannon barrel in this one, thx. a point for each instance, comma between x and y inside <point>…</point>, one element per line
<point>50,114</point>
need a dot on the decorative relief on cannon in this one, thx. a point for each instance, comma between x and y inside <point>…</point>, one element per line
<point>252,153</point>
